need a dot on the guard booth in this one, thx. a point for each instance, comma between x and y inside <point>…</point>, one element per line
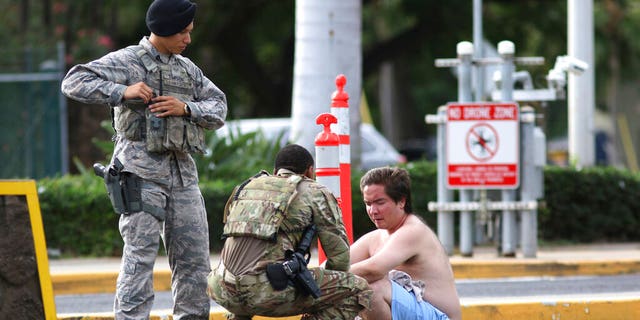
<point>33,128</point>
<point>491,147</point>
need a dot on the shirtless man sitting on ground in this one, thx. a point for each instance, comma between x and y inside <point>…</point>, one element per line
<point>402,242</point>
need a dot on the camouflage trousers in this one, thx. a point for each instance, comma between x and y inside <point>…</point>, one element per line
<point>185,233</point>
<point>343,296</point>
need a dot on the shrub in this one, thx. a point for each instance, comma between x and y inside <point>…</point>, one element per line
<point>77,216</point>
<point>589,205</point>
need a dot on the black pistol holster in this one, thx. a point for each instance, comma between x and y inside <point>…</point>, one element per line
<point>124,188</point>
<point>293,271</point>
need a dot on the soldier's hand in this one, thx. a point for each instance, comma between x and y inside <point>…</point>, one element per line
<point>164,106</point>
<point>139,91</point>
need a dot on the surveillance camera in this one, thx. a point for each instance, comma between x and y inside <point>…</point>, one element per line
<point>571,64</point>
<point>557,76</point>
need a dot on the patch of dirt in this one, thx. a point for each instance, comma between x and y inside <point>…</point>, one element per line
<point>20,294</point>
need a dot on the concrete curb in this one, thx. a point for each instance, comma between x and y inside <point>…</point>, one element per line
<point>217,313</point>
<point>101,282</point>
<point>504,268</point>
<point>105,282</point>
<point>605,308</point>
<point>592,307</point>
<point>620,308</point>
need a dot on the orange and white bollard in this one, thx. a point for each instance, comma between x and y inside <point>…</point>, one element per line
<point>340,108</point>
<point>328,154</point>
<point>327,161</point>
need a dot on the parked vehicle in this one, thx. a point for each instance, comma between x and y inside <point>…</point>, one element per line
<point>377,151</point>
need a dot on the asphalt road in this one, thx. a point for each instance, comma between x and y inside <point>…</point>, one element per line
<point>469,290</point>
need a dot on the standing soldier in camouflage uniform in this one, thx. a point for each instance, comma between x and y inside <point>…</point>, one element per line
<point>266,220</point>
<point>161,103</point>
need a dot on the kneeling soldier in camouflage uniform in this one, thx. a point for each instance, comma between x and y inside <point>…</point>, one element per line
<point>269,224</point>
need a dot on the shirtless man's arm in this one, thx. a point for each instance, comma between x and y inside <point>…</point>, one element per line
<point>384,252</point>
<point>374,255</point>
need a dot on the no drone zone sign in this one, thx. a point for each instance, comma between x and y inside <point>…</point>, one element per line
<point>483,145</point>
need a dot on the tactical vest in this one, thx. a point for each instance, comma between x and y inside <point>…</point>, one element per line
<point>134,120</point>
<point>259,207</point>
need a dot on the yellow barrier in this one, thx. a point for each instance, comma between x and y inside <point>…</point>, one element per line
<point>28,189</point>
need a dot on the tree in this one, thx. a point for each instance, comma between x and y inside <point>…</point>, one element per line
<point>247,47</point>
<point>327,44</point>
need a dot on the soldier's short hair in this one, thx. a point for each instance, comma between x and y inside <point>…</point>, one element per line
<point>396,182</point>
<point>293,157</point>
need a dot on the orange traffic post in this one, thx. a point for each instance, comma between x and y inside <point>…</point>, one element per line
<point>340,108</point>
<point>327,161</point>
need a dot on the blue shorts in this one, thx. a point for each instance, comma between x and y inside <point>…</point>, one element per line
<point>404,306</point>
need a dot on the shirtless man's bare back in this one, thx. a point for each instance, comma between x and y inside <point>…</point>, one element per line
<point>401,242</point>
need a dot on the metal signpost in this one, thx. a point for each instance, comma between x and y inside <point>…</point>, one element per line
<point>35,135</point>
<point>489,145</point>
<point>469,149</point>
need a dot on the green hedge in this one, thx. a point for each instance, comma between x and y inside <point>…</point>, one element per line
<point>77,216</point>
<point>591,205</point>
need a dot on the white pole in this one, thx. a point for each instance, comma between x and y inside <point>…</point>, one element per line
<point>328,43</point>
<point>478,44</point>
<point>465,51</point>
<point>509,232</point>
<point>581,96</point>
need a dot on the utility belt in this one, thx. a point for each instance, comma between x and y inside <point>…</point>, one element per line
<point>137,123</point>
<point>125,190</point>
<point>243,280</point>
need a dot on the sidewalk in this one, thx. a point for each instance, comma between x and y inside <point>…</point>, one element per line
<point>82,276</point>
<point>597,259</point>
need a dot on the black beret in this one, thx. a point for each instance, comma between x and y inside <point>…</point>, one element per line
<point>168,17</point>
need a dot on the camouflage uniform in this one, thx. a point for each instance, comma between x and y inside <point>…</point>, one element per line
<point>239,283</point>
<point>174,207</point>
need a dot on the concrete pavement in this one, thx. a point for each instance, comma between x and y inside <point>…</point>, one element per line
<point>83,276</point>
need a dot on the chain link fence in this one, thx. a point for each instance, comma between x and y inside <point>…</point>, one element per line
<point>33,126</point>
